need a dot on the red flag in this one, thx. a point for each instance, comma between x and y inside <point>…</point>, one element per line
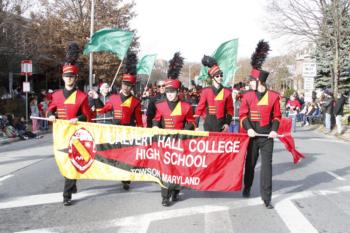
<point>288,141</point>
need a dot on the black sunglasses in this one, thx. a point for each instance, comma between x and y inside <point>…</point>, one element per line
<point>161,86</point>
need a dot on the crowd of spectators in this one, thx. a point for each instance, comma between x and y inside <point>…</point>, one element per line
<point>12,127</point>
<point>326,109</point>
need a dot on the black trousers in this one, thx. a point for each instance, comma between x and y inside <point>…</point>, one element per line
<point>70,186</point>
<point>212,124</point>
<point>265,147</point>
<point>173,189</point>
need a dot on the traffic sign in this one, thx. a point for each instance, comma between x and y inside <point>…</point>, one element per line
<point>26,86</point>
<point>26,67</point>
<point>309,69</point>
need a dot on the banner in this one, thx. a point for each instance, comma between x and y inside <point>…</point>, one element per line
<point>110,40</point>
<point>198,160</point>
<point>226,56</point>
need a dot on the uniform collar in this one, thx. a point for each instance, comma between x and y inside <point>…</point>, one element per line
<point>260,94</point>
<point>172,105</point>
<point>124,97</point>
<point>216,91</point>
<point>67,93</point>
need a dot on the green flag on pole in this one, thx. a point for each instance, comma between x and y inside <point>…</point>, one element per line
<point>146,63</point>
<point>111,40</point>
<point>226,56</point>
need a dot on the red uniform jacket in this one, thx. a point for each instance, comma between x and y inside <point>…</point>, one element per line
<point>262,115</point>
<point>216,108</point>
<point>125,113</point>
<point>176,118</point>
<point>71,107</point>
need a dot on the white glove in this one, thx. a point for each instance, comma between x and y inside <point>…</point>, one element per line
<point>51,118</point>
<point>73,121</point>
<point>273,134</point>
<point>225,128</point>
<point>251,133</point>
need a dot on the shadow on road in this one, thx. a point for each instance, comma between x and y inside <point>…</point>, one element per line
<point>310,181</point>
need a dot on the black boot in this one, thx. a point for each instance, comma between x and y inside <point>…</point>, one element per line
<point>126,186</point>
<point>175,196</point>
<point>166,202</point>
<point>246,192</point>
<point>67,201</point>
<point>268,204</point>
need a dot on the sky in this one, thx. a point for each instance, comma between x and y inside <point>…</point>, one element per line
<point>198,27</point>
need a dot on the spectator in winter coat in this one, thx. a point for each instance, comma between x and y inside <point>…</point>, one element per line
<point>293,106</point>
<point>328,110</point>
<point>339,112</point>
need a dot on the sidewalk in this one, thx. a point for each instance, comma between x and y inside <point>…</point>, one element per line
<point>345,136</point>
<point>5,140</point>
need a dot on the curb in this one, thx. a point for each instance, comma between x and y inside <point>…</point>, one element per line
<point>9,140</point>
<point>6,141</point>
<point>345,136</point>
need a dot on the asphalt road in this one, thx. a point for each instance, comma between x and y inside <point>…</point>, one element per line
<point>313,196</point>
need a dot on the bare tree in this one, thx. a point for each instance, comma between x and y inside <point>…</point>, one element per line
<point>312,20</point>
<point>62,21</point>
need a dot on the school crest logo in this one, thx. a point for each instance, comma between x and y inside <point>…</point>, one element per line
<point>82,150</point>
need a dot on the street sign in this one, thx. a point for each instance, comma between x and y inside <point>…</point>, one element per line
<point>26,86</point>
<point>308,83</point>
<point>26,67</point>
<point>309,69</point>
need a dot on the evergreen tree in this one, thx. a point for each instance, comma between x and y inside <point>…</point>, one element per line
<point>324,61</point>
<point>333,49</point>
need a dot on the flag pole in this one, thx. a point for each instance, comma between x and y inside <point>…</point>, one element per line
<point>39,118</point>
<point>91,33</point>
<point>266,135</point>
<point>116,74</point>
<point>102,118</point>
<point>149,77</point>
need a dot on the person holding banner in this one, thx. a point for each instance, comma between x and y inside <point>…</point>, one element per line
<point>172,113</point>
<point>215,102</point>
<point>126,107</point>
<point>69,104</point>
<point>260,113</point>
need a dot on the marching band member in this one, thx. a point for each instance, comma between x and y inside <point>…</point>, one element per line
<point>69,104</point>
<point>125,106</point>
<point>172,113</point>
<point>215,102</point>
<point>260,113</point>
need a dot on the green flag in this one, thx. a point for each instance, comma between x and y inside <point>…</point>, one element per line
<point>146,63</point>
<point>226,56</point>
<point>111,40</point>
